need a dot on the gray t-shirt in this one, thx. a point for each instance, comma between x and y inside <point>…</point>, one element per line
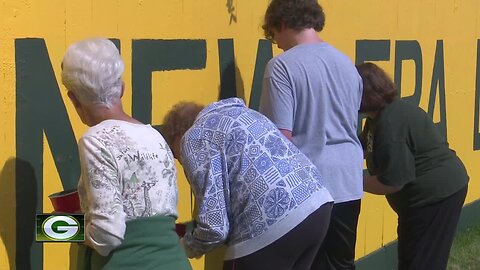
<point>315,91</point>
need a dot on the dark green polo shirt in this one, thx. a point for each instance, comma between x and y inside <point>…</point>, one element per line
<point>403,147</point>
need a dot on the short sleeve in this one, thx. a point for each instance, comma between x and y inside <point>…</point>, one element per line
<point>395,163</point>
<point>277,100</point>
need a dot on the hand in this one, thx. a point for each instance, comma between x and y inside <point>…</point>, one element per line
<point>189,251</point>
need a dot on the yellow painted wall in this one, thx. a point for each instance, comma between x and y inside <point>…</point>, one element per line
<point>60,23</point>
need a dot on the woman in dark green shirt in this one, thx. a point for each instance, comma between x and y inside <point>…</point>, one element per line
<point>410,162</point>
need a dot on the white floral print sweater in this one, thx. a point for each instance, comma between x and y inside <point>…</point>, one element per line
<point>128,172</point>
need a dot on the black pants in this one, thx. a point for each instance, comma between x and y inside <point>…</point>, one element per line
<point>338,248</point>
<point>293,251</point>
<point>425,234</point>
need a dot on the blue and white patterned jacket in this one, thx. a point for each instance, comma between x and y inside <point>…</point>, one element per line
<point>251,184</point>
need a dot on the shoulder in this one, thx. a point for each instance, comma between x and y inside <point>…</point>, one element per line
<point>91,148</point>
<point>106,128</point>
<point>400,116</point>
<point>277,64</point>
<point>297,54</point>
<point>94,130</point>
<point>401,109</point>
<point>93,135</point>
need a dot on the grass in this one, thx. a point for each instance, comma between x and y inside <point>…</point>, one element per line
<point>465,253</point>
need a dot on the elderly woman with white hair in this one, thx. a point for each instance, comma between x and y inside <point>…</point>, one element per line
<point>128,184</point>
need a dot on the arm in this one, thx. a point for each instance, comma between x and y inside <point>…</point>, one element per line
<point>105,225</point>
<point>286,133</point>
<point>277,100</point>
<point>207,179</point>
<point>371,184</point>
<point>396,168</point>
<point>362,137</point>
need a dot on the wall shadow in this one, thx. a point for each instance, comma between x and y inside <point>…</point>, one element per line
<point>26,190</point>
<point>239,85</point>
<point>231,83</point>
<point>214,259</point>
<point>18,201</point>
<point>7,209</point>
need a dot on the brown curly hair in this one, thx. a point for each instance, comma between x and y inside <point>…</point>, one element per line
<point>294,14</point>
<point>179,119</point>
<point>378,89</point>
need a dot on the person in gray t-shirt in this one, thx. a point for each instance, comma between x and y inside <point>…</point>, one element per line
<point>312,92</point>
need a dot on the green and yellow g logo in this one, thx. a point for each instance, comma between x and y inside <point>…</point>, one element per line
<point>60,228</point>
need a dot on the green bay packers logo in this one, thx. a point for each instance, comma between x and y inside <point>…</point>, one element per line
<point>60,228</point>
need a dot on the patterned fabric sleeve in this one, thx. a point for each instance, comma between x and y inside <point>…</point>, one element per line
<point>205,166</point>
<point>99,190</point>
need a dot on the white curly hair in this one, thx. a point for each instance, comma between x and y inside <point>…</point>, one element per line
<point>92,69</point>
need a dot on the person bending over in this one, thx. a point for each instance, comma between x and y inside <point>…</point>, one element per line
<point>410,162</point>
<point>255,191</point>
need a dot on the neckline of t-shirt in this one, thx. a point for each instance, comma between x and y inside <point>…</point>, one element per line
<point>126,122</point>
<point>312,44</point>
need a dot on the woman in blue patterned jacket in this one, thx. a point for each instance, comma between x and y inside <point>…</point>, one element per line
<point>255,191</point>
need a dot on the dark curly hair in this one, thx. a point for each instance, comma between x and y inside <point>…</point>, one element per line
<point>378,89</point>
<point>295,14</point>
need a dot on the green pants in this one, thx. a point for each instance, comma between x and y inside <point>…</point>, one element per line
<point>149,243</point>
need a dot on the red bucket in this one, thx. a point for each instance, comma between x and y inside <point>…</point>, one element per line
<point>181,229</point>
<point>66,201</point>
